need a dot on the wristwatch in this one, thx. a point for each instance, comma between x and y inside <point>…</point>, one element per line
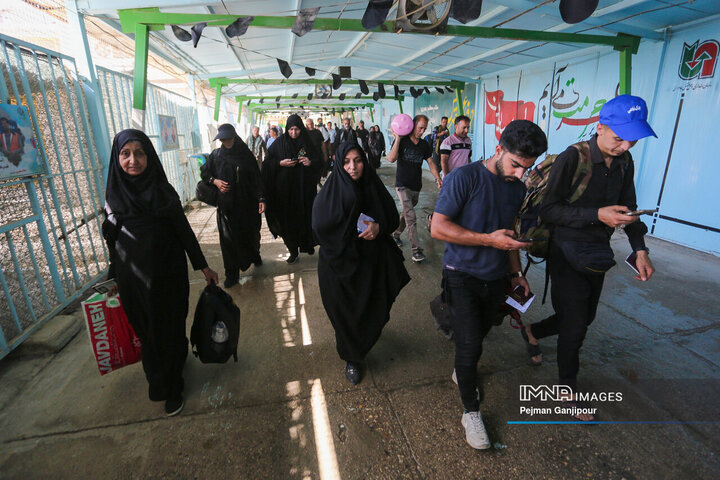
<point>643,248</point>
<point>516,275</point>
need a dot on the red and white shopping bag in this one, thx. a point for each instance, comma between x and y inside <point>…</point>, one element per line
<point>112,338</point>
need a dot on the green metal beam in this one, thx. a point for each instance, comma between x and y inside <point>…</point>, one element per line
<point>313,105</point>
<point>142,37</point>
<point>224,81</point>
<point>157,20</point>
<point>625,71</point>
<point>372,116</point>
<point>458,95</point>
<point>271,98</point>
<point>400,103</point>
<point>218,96</point>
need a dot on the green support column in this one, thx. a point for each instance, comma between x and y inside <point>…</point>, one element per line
<point>218,96</point>
<point>625,71</point>
<point>458,93</point>
<point>353,116</point>
<point>142,36</point>
<point>372,117</point>
<point>400,104</point>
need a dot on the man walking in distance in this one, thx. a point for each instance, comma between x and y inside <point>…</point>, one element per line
<point>326,140</point>
<point>257,145</point>
<point>440,133</point>
<point>410,152</point>
<point>474,213</point>
<point>347,134</point>
<point>586,226</point>
<point>362,135</point>
<point>456,150</point>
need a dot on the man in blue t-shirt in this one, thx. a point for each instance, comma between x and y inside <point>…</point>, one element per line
<point>410,152</point>
<point>474,215</point>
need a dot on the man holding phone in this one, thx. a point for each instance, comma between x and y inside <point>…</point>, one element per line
<point>474,215</point>
<point>579,252</point>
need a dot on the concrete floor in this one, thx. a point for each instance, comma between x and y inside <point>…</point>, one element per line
<point>285,410</point>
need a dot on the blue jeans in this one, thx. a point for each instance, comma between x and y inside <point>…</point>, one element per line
<point>473,305</point>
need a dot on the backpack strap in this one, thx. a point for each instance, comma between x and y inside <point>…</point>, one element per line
<point>583,171</point>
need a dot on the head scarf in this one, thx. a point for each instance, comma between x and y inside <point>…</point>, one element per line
<point>147,194</point>
<point>341,200</point>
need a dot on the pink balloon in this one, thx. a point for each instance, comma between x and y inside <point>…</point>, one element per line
<point>402,124</point>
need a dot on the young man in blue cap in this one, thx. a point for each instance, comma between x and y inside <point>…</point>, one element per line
<point>580,252</point>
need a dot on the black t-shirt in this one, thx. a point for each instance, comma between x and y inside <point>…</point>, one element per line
<point>409,163</point>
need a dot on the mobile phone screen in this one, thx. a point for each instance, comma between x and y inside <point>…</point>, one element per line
<point>630,260</point>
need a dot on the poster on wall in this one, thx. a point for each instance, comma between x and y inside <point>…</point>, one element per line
<point>19,156</point>
<point>168,133</point>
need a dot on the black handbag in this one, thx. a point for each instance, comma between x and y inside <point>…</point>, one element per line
<point>590,258</point>
<point>207,193</point>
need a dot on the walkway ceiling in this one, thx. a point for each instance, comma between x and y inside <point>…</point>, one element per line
<point>384,55</point>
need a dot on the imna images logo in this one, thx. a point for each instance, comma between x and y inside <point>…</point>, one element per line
<point>699,59</point>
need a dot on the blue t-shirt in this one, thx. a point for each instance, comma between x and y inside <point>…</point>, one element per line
<point>478,200</point>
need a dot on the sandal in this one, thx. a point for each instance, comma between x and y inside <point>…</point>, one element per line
<point>532,350</point>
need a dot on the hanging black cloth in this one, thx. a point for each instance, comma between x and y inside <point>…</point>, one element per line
<point>238,219</point>
<point>290,191</point>
<point>148,235</point>
<point>359,279</point>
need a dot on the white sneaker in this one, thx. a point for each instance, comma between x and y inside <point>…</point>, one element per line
<point>475,433</point>
<point>454,377</point>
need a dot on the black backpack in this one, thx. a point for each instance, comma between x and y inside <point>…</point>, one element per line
<point>213,307</point>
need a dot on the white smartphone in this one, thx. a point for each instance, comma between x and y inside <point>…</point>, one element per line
<point>630,260</point>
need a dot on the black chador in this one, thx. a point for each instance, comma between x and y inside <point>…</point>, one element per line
<point>148,235</point>
<point>359,279</point>
<point>290,191</point>
<point>238,217</point>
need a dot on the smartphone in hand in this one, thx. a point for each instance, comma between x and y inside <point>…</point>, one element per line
<point>637,213</point>
<point>630,260</point>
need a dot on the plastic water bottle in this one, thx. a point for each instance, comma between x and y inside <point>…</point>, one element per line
<point>220,332</point>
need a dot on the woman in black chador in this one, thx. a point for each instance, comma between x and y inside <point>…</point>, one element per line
<point>376,146</point>
<point>360,274</point>
<point>148,235</point>
<point>291,172</point>
<point>232,168</point>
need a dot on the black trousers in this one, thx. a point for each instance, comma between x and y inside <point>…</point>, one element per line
<point>575,298</point>
<point>473,304</point>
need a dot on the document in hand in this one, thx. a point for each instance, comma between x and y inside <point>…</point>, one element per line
<point>518,300</point>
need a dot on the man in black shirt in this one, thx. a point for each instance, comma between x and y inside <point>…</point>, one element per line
<point>410,152</point>
<point>347,134</point>
<point>580,250</point>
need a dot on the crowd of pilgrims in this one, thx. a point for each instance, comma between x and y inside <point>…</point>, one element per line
<point>351,220</point>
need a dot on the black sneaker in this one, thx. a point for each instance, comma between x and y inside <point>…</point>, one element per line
<point>174,406</point>
<point>258,262</point>
<point>418,257</point>
<point>353,373</point>
<point>229,282</point>
<point>292,258</point>
<point>398,242</point>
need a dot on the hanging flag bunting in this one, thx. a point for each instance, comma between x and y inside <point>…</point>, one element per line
<point>575,11</point>
<point>402,92</point>
<point>440,90</point>
<point>325,108</point>
<point>337,81</point>
<point>376,13</point>
<point>277,99</point>
<point>342,96</point>
<point>363,87</point>
<point>465,11</point>
<point>358,95</point>
<point>427,90</point>
<point>449,89</point>
<point>345,72</point>
<point>305,21</point>
<point>376,96</point>
<point>181,34</point>
<point>415,92</point>
<point>333,111</point>
<point>397,91</point>
<point>278,106</point>
<point>324,95</point>
<point>342,110</point>
<point>262,99</point>
<point>302,108</point>
<point>295,95</point>
<point>310,71</point>
<point>381,90</point>
<point>284,68</point>
<point>196,32</point>
<point>239,26</point>
<point>310,96</point>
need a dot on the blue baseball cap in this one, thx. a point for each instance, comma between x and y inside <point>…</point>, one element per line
<point>626,115</point>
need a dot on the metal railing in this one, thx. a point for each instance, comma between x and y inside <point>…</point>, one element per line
<point>51,246</point>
